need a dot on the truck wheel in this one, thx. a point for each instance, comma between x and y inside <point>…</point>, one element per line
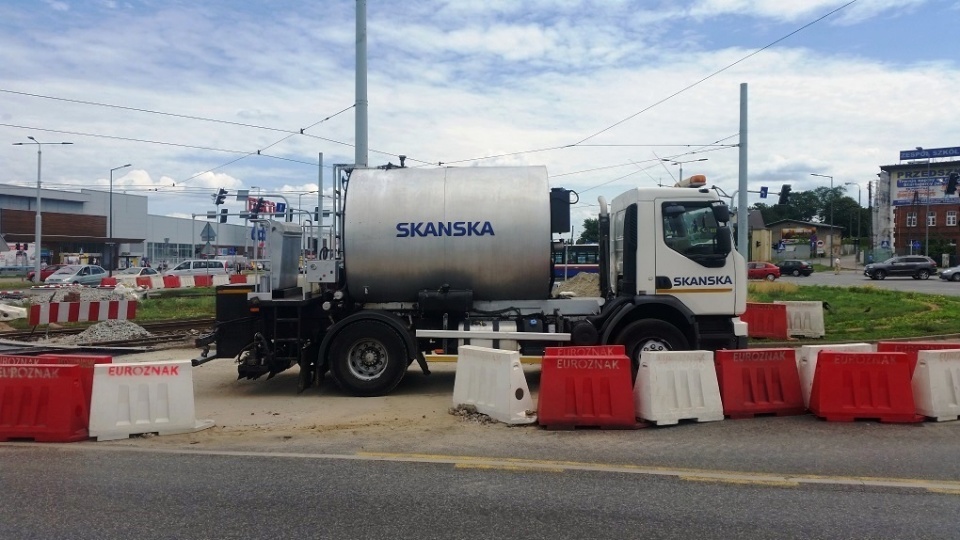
<point>650,335</point>
<point>368,358</point>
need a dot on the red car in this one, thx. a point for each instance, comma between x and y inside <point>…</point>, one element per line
<point>45,272</point>
<point>762,270</point>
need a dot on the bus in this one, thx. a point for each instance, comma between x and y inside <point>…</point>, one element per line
<point>579,258</point>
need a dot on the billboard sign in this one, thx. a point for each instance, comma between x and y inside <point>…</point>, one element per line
<point>929,153</point>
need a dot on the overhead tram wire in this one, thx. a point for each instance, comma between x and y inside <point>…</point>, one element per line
<point>147,141</point>
<point>717,72</point>
<point>671,96</point>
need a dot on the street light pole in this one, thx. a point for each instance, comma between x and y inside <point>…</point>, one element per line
<point>38,235</point>
<point>113,245</point>
<point>831,210</point>
<point>859,211</point>
<point>680,163</point>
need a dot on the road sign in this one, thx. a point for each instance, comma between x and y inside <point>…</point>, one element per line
<point>885,244</point>
<point>915,244</point>
<point>258,233</point>
<point>763,192</point>
<point>207,234</point>
<point>281,207</point>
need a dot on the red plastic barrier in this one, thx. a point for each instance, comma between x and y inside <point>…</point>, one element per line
<point>42,402</point>
<point>108,282</point>
<point>759,381</point>
<point>238,278</point>
<point>863,386</point>
<point>911,348</point>
<point>85,361</point>
<point>203,281</point>
<point>171,282</point>
<point>766,320</point>
<point>586,386</point>
<point>144,281</point>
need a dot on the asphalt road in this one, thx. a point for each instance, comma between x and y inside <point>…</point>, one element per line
<point>850,277</point>
<point>78,493</point>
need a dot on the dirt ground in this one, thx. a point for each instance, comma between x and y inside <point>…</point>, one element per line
<point>253,413</point>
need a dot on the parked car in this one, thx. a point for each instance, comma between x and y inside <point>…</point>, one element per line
<point>951,274</point>
<point>137,271</point>
<point>45,272</point>
<point>915,266</point>
<point>762,270</point>
<point>83,274</point>
<point>795,267</point>
<point>200,267</point>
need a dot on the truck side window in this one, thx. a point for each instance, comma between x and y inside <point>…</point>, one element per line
<point>689,228</point>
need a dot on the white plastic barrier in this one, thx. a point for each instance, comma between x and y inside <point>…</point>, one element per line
<point>156,282</point>
<point>804,318</point>
<point>936,384</point>
<point>149,397</point>
<point>221,279</point>
<point>677,385</point>
<point>187,282</point>
<point>8,313</point>
<point>492,380</point>
<point>807,362</point>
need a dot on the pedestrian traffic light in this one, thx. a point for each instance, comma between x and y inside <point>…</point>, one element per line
<point>220,197</point>
<point>952,182</point>
<point>784,194</point>
<point>223,215</point>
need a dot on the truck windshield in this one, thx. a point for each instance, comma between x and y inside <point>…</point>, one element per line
<point>691,230</point>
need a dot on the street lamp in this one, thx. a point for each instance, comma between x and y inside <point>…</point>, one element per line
<point>299,199</point>
<point>37,226</point>
<point>859,211</point>
<point>680,163</point>
<point>113,245</point>
<point>831,209</point>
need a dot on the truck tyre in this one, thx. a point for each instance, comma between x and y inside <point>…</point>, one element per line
<point>368,358</point>
<point>650,335</point>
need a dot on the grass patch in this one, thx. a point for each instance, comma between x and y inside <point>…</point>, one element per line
<point>866,313</point>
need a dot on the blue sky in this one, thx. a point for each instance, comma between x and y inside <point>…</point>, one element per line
<point>459,81</point>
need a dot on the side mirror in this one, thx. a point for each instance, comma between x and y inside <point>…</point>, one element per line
<point>724,241</point>
<point>721,213</point>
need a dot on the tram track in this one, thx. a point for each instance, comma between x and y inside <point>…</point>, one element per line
<point>162,332</point>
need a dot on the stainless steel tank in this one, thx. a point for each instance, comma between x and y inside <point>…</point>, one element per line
<point>480,228</point>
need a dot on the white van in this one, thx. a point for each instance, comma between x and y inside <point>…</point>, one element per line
<point>200,267</point>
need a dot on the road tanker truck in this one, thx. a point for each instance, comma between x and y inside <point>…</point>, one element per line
<point>421,261</point>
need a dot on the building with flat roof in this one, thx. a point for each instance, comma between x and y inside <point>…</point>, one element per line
<point>75,225</point>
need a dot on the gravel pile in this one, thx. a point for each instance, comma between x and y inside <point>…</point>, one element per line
<point>468,413</point>
<point>113,330</point>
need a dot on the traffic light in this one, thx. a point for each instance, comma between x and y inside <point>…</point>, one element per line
<point>223,215</point>
<point>784,194</point>
<point>952,183</point>
<point>257,208</point>
<point>220,197</point>
<point>316,214</point>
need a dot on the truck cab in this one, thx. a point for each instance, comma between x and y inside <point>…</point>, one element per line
<point>673,279</point>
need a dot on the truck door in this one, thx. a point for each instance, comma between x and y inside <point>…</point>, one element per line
<point>693,260</point>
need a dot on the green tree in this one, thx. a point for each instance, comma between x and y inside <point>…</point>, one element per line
<point>590,232</point>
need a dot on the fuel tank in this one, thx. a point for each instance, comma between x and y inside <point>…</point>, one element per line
<point>481,228</point>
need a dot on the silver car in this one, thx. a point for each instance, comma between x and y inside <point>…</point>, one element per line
<point>83,274</point>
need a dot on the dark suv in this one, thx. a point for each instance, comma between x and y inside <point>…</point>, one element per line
<point>915,266</point>
<point>795,267</point>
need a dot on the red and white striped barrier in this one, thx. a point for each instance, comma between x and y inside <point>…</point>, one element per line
<point>62,312</point>
<point>186,282</point>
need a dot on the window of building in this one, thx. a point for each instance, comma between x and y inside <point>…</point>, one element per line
<point>911,219</point>
<point>952,218</point>
<point>931,218</point>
